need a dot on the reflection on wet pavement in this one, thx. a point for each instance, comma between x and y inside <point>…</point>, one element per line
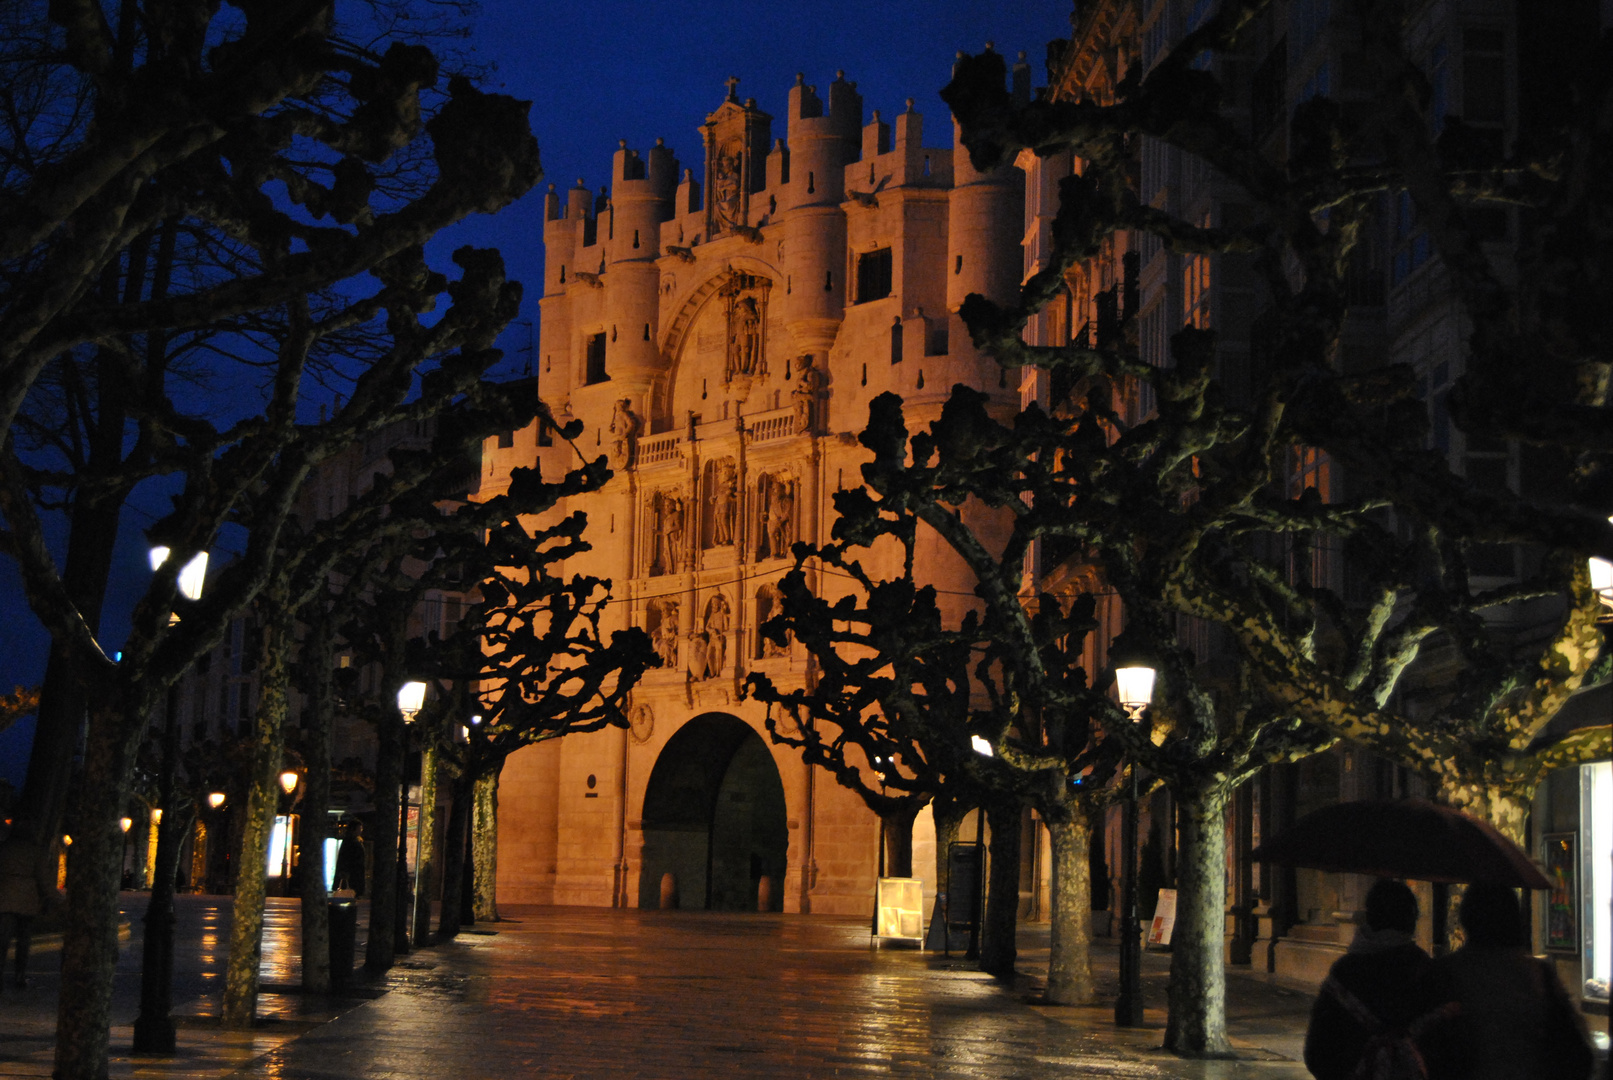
<point>590,993</point>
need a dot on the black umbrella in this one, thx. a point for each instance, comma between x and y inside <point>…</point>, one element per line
<point>1403,838</point>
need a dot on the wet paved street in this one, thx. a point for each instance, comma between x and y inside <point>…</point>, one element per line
<point>584,993</point>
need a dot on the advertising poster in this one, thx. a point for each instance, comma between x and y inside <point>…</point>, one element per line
<point>1562,929</point>
<point>1159,932</point>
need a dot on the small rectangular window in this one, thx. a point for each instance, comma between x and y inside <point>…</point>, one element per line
<point>873,275</point>
<point>506,439</point>
<point>596,359</point>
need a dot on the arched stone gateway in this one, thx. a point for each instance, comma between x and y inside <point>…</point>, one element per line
<point>714,817</point>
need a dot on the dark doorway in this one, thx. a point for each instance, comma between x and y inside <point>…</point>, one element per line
<point>714,817</point>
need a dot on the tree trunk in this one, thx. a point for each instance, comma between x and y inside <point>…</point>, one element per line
<point>426,849</point>
<point>998,950</point>
<point>1069,965</point>
<point>484,846</point>
<point>262,798</point>
<point>319,729</point>
<point>453,863</point>
<point>948,820</point>
<point>43,803</point>
<point>899,838</point>
<point>91,543</point>
<point>90,937</point>
<point>380,949</point>
<point>154,1027</point>
<point>1197,1023</point>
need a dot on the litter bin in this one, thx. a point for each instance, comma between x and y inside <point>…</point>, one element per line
<point>343,940</point>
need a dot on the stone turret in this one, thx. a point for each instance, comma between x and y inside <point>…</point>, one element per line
<point>642,190</point>
<point>984,224</point>
<point>821,145</point>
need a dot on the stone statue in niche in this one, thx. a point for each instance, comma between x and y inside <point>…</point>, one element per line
<point>666,512</point>
<point>726,205</point>
<point>663,630</point>
<point>804,395</point>
<point>625,425</point>
<point>769,604</point>
<point>745,311</point>
<point>724,481</point>
<point>777,517</point>
<point>719,618</point>
<point>745,340</point>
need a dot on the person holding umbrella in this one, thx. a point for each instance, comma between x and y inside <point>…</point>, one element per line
<point>1374,1001</point>
<point>1512,1019</point>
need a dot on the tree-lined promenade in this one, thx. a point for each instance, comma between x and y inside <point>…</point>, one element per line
<point>243,198</point>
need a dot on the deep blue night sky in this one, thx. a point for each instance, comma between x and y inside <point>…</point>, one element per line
<point>606,70</point>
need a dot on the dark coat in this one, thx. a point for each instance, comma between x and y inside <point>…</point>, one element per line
<point>1513,1021</point>
<point>1390,982</point>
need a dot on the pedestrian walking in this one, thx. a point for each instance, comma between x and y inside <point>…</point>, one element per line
<point>24,892</point>
<point>1373,1000</point>
<point>1512,1018</point>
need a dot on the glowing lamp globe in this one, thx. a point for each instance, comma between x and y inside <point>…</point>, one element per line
<point>1135,687</point>
<point>411,697</point>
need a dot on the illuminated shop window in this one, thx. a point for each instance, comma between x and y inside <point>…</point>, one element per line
<point>1596,876</point>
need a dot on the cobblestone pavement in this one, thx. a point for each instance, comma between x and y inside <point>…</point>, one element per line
<point>585,993</point>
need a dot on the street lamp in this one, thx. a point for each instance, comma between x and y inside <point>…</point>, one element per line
<point>154,1028</point>
<point>411,699</point>
<point>215,799</point>
<point>1134,686</point>
<point>288,784</point>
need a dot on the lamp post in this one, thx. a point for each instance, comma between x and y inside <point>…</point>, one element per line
<point>288,784</point>
<point>154,1028</point>
<point>1135,687</point>
<point>982,746</point>
<point>411,699</point>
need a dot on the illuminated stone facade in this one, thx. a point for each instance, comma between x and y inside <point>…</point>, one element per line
<point>720,331</point>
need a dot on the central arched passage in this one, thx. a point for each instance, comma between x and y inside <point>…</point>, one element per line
<point>714,818</point>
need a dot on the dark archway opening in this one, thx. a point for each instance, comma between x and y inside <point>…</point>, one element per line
<point>714,817</point>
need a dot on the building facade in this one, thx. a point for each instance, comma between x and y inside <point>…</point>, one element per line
<point>719,331</point>
<point>1497,65</point>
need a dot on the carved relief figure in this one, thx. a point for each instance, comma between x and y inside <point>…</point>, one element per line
<point>718,620</point>
<point>769,604</point>
<point>724,481</point>
<point>672,535</point>
<point>776,517</point>
<point>663,630</point>
<point>745,339</point>
<point>625,425</point>
<point>666,519</point>
<point>745,315</point>
<point>808,383</point>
